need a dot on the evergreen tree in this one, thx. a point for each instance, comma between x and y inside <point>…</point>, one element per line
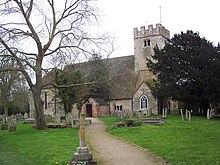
<point>188,70</point>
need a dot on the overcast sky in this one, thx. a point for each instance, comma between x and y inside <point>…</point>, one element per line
<point>119,17</point>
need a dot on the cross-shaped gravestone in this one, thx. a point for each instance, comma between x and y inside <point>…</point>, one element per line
<point>83,154</point>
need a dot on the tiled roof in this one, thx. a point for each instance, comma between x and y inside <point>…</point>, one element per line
<point>120,70</point>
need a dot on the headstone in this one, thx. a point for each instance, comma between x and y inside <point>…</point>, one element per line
<point>83,154</point>
<point>181,112</point>
<point>2,119</point>
<point>29,121</point>
<point>13,126</point>
<point>208,114</point>
<point>25,115</point>
<point>5,117</point>
<point>48,118</point>
<point>186,114</point>
<point>140,114</point>
<point>4,126</point>
<point>163,112</point>
<point>69,119</point>
<point>166,112</point>
<point>57,118</point>
<point>75,112</point>
<point>190,115</point>
<point>19,117</point>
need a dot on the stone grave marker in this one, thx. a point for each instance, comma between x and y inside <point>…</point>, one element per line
<point>75,112</point>
<point>140,114</point>
<point>19,117</point>
<point>2,119</point>
<point>83,154</point>
<point>4,126</point>
<point>13,126</point>
<point>69,119</point>
<point>48,118</point>
<point>25,115</point>
<point>12,117</point>
<point>57,118</point>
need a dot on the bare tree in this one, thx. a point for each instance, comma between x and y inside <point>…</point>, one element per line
<point>37,31</point>
<point>8,80</point>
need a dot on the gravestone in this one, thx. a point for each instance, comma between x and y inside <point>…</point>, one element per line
<point>69,119</point>
<point>48,118</point>
<point>25,115</point>
<point>57,118</point>
<point>4,126</point>
<point>13,126</point>
<point>29,121</point>
<point>75,112</point>
<point>5,117</point>
<point>12,117</point>
<point>140,114</point>
<point>19,117</point>
<point>2,119</point>
<point>83,154</point>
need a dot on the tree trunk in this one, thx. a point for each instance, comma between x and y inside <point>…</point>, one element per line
<point>39,112</point>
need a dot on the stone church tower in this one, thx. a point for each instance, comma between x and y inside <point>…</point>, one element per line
<point>144,42</point>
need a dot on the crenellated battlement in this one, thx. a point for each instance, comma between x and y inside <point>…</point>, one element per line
<point>143,33</point>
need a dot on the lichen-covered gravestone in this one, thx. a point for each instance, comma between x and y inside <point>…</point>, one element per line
<point>4,125</point>
<point>19,117</point>
<point>13,126</point>
<point>25,115</point>
<point>2,119</point>
<point>75,112</point>
<point>69,119</point>
<point>57,118</point>
<point>48,118</point>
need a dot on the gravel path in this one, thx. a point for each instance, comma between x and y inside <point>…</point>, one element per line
<point>108,150</point>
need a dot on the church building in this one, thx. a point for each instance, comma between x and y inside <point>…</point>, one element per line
<point>131,90</point>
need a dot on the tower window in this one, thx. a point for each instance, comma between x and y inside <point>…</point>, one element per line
<point>146,42</point>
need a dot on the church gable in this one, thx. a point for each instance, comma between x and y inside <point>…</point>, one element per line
<point>143,99</point>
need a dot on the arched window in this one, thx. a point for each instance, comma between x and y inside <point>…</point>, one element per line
<point>143,102</point>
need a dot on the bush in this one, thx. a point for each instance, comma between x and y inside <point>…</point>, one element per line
<point>129,123</point>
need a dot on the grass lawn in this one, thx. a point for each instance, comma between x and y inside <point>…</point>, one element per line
<point>177,141</point>
<point>28,146</point>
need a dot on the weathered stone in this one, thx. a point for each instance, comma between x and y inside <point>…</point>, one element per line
<point>48,119</point>
<point>19,117</point>
<point>2,119</point>
<point>29,121</point>
<point>25,115</point>
<point>75,112</point>
<point>12,117</point>
<point>57,118</point>
<point>4,126</point>
<point>13,126</point>
<point>69,119</point>
<point>83,155</point>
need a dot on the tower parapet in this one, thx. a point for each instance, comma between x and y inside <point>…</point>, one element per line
<point>144,42</point>
<point>159,30</point>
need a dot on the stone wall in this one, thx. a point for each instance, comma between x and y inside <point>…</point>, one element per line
<point>125,103</point>
<point>51,106</point>
<point>144,90</point>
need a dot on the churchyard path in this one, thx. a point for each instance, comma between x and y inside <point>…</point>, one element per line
<point>109,150</point>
